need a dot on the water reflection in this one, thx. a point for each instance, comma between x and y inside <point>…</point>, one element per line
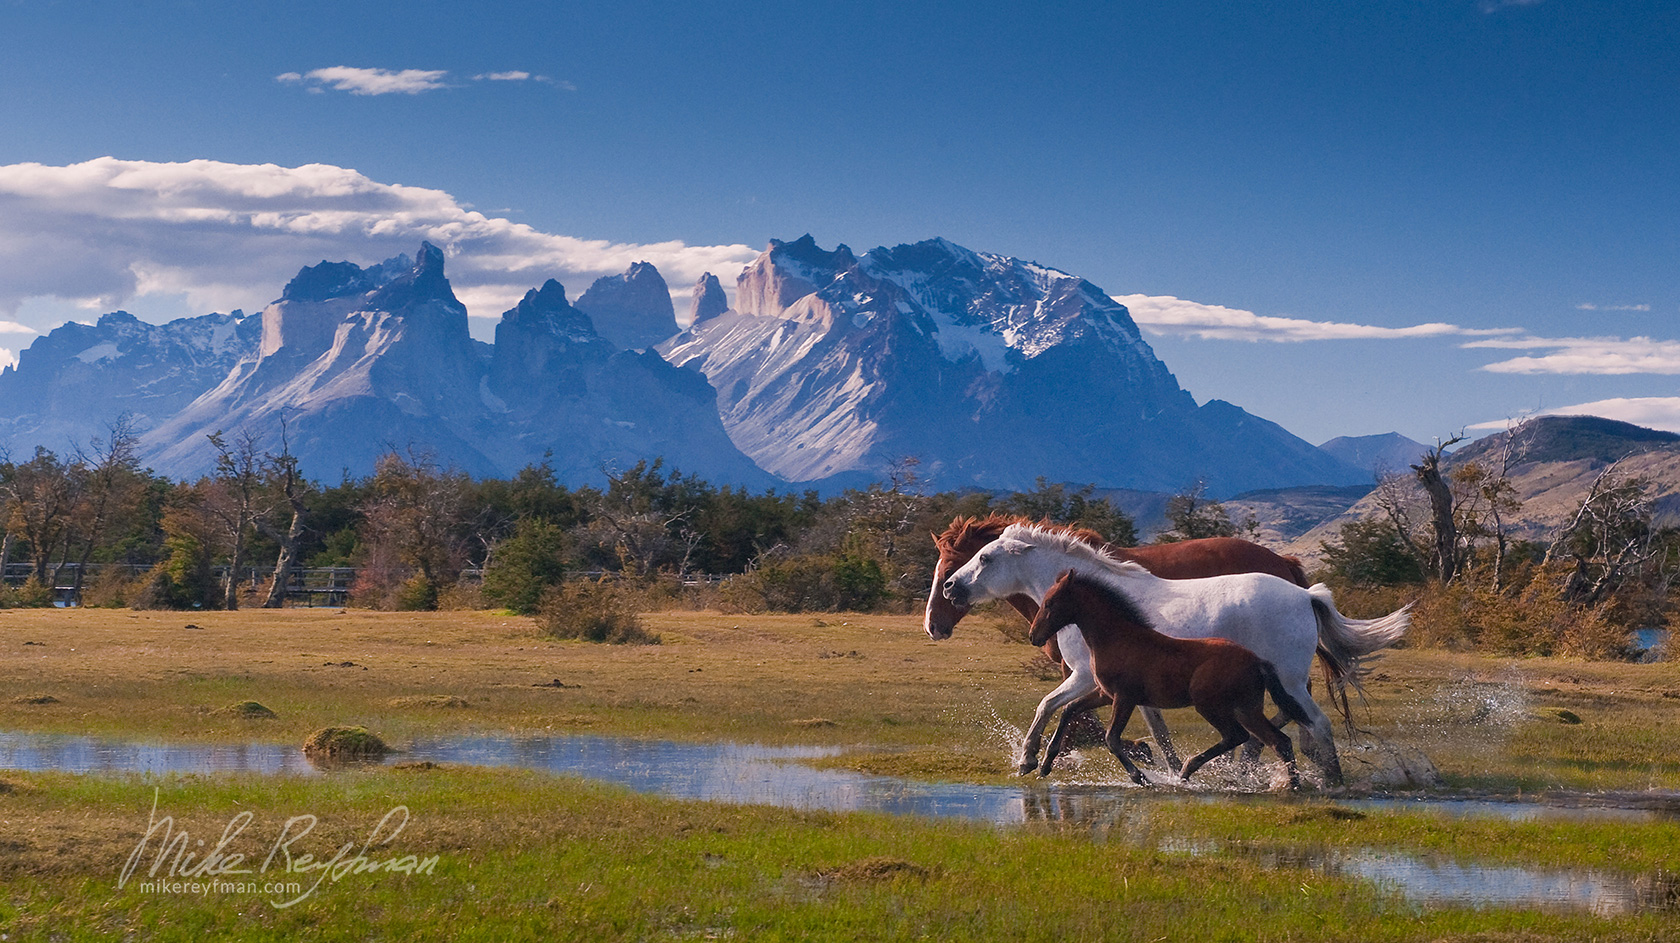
<point>746,773</point>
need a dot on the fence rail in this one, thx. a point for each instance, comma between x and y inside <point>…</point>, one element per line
<point>307,585</point>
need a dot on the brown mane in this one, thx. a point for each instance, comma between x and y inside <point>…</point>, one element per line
<point>964,529</point>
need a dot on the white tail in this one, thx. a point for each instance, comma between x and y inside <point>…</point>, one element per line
<point>1342,642</point>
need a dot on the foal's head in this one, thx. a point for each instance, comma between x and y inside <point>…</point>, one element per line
<point>1061,608</point>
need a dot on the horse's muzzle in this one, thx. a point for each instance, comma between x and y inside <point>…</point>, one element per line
<point>956,593</point>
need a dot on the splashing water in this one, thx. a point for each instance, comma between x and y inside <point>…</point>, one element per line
<point>1499,703</point>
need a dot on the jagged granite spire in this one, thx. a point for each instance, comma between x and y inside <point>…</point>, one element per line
<point>632,310</point>
<point>709,299</point>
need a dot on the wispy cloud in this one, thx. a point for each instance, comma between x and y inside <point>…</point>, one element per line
<point>1165,314</point>
<point>1653,412</point>
<point>102,232</point>
<point>1589,306</point>
<point>356,81</point>
<point>8,358</point>
<point>1585,355</point>
<point>519,76</point>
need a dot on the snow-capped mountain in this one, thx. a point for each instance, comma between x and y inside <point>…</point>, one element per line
<point>356,362</point>
<point>828,367</point>
<point>992,370</point>
<point>73,383</point>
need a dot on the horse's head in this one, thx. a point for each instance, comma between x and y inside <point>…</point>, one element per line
<point>1056,612</point>
<point>960,542</point>
<point>996,571</point>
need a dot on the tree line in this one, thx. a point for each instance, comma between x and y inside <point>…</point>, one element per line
<point>413,527</point>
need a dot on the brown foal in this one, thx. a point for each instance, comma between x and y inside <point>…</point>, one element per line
<point>1139,667</point>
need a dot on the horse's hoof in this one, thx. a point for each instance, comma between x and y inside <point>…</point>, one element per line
<point>1026,768</point>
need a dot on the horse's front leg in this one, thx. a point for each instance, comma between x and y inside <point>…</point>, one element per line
<point>1087,703</point>
<point>1077,685</point>
<point>1123,708</point>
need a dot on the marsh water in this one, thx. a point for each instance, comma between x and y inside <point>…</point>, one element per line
<point>746,773</point>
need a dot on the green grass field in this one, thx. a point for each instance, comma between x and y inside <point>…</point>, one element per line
<point>526,855</point>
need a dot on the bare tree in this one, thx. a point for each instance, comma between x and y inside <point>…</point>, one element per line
<point>235,499</point>
<point>282,474</point>
<point>1444,547</point>
<point>414,519</point>
<point>109,470</point>
<point>1610,537</point>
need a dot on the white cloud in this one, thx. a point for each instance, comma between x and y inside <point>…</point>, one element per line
<point>105,231</point>
<point>1653,412</point>
<point>1586,355</point>
<point>1589,306</point>
<point>514,76</point>
<point>8,358</point>
<point>368,81</point>
<point>1164,314</point>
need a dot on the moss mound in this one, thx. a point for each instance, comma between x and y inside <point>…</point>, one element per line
<point>34,699</point>
<point>344,743</point>
<point>248,710</point>
<point>1561,715</point>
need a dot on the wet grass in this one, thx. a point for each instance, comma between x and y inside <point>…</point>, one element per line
<point>522,855</point>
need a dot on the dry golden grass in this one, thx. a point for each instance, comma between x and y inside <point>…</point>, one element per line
<point>873,682</point>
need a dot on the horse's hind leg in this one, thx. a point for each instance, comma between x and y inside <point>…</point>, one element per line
<point>1163,738</point>
<point>1318,739</point>
<point>1251,749</point>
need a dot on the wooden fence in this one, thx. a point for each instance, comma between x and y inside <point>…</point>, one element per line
<point>308,585</point>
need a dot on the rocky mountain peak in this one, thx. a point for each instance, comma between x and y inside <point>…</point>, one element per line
<point>786,272</point>
<point>709,299</point>
<point>633,310</point>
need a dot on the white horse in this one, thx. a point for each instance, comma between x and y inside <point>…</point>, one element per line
<point>1273,618</point>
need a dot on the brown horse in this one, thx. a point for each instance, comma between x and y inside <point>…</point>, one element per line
<point>1139,667</point>
<point>1187,559</point>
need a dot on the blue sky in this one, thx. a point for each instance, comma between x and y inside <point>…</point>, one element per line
<point>1283,192</point>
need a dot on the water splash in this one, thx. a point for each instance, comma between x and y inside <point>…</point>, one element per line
<point>1498,703</point>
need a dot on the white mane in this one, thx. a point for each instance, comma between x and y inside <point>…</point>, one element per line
<point>1102,562</point>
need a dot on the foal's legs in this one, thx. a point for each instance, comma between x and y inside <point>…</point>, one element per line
<point>1267,732</point>
<point>1232,736</point>
<point>1117,743</point>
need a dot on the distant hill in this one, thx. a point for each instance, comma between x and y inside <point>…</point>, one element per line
<point>1390,451</point>
<point>1572,438</point>
<point>1555,462</point>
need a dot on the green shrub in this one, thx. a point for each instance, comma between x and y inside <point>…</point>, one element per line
<point>593,612</point>
<point>808,583</point>
<point>524,565</point>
